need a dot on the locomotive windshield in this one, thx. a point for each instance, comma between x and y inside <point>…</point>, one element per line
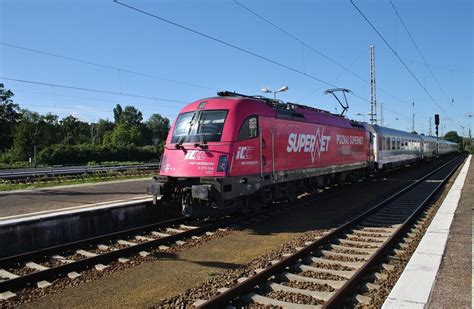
<point>199,126</point>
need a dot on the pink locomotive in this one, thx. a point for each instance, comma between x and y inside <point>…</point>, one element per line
<point>236,152</point>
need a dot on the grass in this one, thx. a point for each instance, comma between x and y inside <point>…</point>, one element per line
<point>79,179</point>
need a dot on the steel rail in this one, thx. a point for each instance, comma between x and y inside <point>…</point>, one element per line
<point>18,258</point>
<point>72,170</point>
<point>105,257</point>
<point>341,294</point>
<point>222,299</point>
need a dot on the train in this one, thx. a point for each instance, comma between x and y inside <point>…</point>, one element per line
<point>237,152</point>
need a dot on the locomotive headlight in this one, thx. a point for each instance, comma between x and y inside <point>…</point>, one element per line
<point>222,165</point>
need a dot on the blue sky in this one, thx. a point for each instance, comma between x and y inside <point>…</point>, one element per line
<point>106,33</point>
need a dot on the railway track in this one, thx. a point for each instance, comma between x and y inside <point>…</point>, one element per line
<point>330,271</point>
<point>33,269</point>
<point>62,171</point>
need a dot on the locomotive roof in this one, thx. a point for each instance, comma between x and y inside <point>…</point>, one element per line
<point>297,111</point>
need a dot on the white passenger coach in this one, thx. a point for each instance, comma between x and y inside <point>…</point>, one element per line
<point>394,148</point>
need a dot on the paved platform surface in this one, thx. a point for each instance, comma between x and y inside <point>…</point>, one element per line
<point>453,285</point>
<point>438,274</point>
<point>60,198</point>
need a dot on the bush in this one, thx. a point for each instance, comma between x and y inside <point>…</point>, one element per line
<point>85,153</point>
<point>470,149</point>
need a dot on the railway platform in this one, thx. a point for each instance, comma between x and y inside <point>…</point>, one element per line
<point>38,202</point>
<point>438,274</point>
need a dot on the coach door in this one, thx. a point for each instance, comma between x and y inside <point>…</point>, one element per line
<point>375,142</point>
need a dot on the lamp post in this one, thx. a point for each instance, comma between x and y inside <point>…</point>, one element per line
<point>282,89</point>
<point>469,115</point>
<point>363,116</point>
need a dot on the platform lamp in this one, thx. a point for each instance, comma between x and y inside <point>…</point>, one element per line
<point>363,116</point>
<point>282,89</point>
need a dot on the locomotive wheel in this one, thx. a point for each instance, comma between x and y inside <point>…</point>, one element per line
<point>243,205</point>
<point>291,192</point>
<point>255,203</point>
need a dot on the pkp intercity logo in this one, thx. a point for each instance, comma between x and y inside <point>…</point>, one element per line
<point>244,153</point>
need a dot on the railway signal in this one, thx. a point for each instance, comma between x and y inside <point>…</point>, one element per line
<point>436,128</point>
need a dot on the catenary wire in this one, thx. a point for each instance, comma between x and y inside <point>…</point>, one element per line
<point>91,99</point>
<point>312,48</point>
<point>417,48</point>
<point>246,51</point>
<point>233,46</point>
<point>92,90</point>
<point>400,59</point>
<point>120,70</point>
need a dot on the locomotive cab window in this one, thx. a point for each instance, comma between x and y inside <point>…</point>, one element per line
<point>199,126</point>
<point>249,128</point>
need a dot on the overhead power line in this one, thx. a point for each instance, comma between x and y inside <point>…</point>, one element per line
<point>92,90</point>
<point>400,59</point>
<point>246,51</point>
<point>120,70</point>
<point>54,95</point>
<point>437,67</point>
<point>298,39</point>
<point>69,108</point>
<point>417,48</point>
<point>236,47</point>
<point>313,49</point>
<point>103,111</point>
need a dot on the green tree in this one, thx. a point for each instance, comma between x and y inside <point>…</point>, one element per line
<point>124,135</point>
<point>102,127</point>
<point>118,113</point>
<point>26,136</point>
<point>74,131</point>
<point>453,136</point>
<point>10,115</point>
<point>34,131</point>
<point>158,128</point>
<point>132,116</point>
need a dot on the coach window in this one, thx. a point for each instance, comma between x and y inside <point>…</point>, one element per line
<point>249,128</point>
<point>387,143</point>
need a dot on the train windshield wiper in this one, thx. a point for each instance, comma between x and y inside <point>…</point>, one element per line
<point>202,143</point>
